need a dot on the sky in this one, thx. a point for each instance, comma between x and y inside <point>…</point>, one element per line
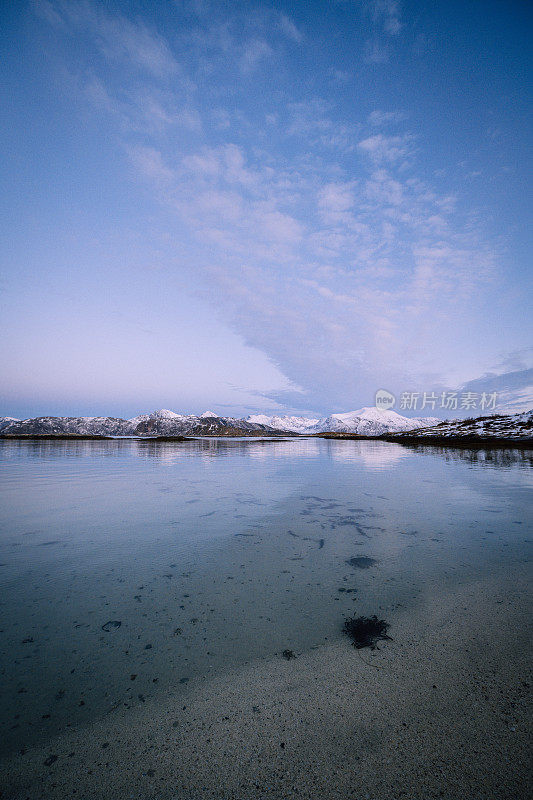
<point>275,207</point>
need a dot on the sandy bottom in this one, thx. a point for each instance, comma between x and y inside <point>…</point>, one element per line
<point>441,711</point>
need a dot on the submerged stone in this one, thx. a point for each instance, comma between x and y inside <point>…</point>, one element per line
<point>366,631</point>
<point>361,562</point>
<point>113,623</point>
<point>288,654</point>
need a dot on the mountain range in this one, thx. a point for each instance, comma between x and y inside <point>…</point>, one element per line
<point>364,422</point>
<point>367,421</point>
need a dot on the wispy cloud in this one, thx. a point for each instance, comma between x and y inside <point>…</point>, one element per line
<point>380,119</point>
<point>313,120</point>
<point>150,164</point>
<point>356,269</point>
<point>341,75</point>
<point>514,390</point>
<point>386,19</point>
<point>317,236</point>
<point>389,149</point>
<point>117,37</point>
<point>386,13</point>
<point>254,52</point>
<point>289,28</point>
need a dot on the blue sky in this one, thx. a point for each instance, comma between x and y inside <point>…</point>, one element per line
<point>252,206</point>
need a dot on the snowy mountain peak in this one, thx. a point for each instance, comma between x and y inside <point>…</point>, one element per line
<point>156,416</point>
<point>5,421</point>
<point>292,424</point>
<point>208,414</point>
<point>370,413</point>
<point>371,421</point>
<point>164,413</point>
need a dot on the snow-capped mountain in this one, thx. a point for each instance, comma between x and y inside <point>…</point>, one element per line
<point>5,421</point>
<point>158,423</point>
<point>168,423</point>
<point>87,426</point>
<point>365,422</point>
<point>497,426</point>
<point>372,422</point>
<point>163,413</point>
<point>162,422</point>
<point>293,424</point>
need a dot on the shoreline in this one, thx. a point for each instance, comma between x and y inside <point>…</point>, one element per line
<point>402,439</point>
<point>439,711</point>
<point>462,441</point>
<point>451,441</point>
<point>155,438</point>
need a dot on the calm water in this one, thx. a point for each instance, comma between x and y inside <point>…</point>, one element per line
<point>213,553</point>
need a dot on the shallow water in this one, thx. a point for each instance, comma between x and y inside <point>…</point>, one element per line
<point>213,553</point>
